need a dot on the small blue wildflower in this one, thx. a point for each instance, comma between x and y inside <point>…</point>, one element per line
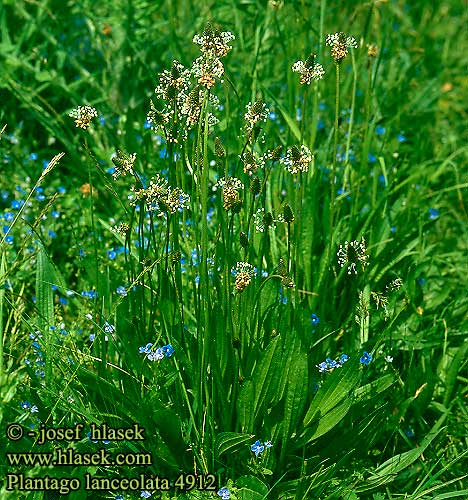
<point>8,216</point>
<point>168,350</point>
<point>393,229</point>
<point>111,170</point>
<point>92,337</point>
<point>111,254</point>
<point>322,367</point>
<point>16,204</point>
<point>268,444</point>
<point>433,213</point>
<point>121,291</point>
<point>224,493</point>
<point>332,363</point>
<point>409,432</point>
<point>33,156</point>
<point>401,138</point>
<point>45,164</point>
<point>146,348</point>
<point>257,447</point>
<point>366,358</point>
<point>283,299</point>
<point>9,239</point>
<point>52,234</point>
<point>315,319</point>
<point>61,190</point>
<point>344,358</point>
<point>315,386</point>
<point>25,405</point>
<point>63,301</point>
<point>108,328</point>
<point>379,130</point>
<point>119,497</point>
<point>371,158</point>
<point>421,281</point>
<point>55,214</point>
<point>145,494</point>
<point>156,355</point>
<point>89,437</point>
<point>197,280</point>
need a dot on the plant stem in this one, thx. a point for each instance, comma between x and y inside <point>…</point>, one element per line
<point>335,145</point>
<point>351,123</point>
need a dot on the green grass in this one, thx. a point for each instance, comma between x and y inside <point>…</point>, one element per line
<point>80,300</point>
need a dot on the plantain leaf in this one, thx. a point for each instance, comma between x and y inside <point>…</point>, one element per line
<point>338,386</point>
<point>231,441</point>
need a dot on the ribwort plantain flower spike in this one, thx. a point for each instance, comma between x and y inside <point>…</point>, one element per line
<point>309,70</point>
<point>288,214</point>
<point>351,253</point>
<point>372,50</point>
<point>256,113</point>
<point>123,164</point>
<point>83,116</point>
<point>174,83</point>
<point>297,160</point>
<point>244,273</point>
<point>159,195</point>
<point>230,188</point>
<point>220,150</point>
<point>340,43</point>
<point>213,45</point>
<point>213,41</point>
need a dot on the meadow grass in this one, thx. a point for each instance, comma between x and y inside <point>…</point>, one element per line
<point>251,243</point>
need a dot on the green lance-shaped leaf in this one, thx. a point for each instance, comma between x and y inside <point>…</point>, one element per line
<point>389,470</point>
<point>231,441</point>
<point>45,277</point>
<point>337,387</point>
<point>296,368</point>
<point>264,377</point>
